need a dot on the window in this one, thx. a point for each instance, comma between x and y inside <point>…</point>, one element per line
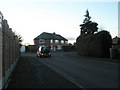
<point>51,41</point>
<point>66,42</point>
<point>56,41</point>
<point>59,47</point>
<point>41,41</point>
<point>62,41</point>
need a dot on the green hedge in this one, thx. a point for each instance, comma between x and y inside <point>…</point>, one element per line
<point>95,45</point>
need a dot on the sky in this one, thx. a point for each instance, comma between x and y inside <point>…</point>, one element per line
<point>30,18</point>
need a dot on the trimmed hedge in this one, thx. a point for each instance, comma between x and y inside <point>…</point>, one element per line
<point>95,45</point>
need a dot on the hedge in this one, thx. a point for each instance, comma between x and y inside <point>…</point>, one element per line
<point>95,45</point>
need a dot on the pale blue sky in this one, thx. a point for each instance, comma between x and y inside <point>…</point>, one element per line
<point>32,17</point>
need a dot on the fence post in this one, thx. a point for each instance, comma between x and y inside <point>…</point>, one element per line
<point>9,51</point>
<point>113,53</point>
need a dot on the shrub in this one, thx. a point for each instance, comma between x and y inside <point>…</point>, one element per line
<point>95,45</point>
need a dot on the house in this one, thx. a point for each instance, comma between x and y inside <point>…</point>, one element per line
<point>116,42</point>
<point>55,41</point>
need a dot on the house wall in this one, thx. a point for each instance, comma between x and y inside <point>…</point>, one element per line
<point>36,42</point>
<point>47,42</point>
<point>54,45</point>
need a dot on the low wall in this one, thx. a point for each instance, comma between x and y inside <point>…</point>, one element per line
<point>118,54</point>
<point>114,53</point>
<point>31,48</point>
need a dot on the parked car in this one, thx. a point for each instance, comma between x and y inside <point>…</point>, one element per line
<point>44,52</point>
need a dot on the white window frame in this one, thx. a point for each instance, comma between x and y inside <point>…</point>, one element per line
<point>56,41</point>
<point>62,41</point>
<point>51,41</point>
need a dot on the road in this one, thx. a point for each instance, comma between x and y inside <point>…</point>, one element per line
<point>84,72</point>
<point>31,73</point>
<point>64,70</point>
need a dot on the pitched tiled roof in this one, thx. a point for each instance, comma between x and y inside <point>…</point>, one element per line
<point>49,36</point>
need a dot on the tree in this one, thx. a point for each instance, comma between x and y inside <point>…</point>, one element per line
<point>88,27</point>
<point>87,19</point>
<point>18,36</point>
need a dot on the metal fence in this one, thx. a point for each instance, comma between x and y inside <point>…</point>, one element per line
<point>9,52</point>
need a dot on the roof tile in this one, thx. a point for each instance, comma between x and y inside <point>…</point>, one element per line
<point>54,36</point>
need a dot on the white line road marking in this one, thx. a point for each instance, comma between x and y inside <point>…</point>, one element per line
<point>65,75</point>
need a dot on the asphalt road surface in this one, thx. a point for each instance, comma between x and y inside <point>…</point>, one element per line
<point>84,72</point>
<point>31,73</point>
<point>64,70</point>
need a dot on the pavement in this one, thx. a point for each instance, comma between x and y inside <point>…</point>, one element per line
<point>106,60</point>
<point>31,73</point>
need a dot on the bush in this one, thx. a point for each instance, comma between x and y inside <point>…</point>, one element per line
<point>95,45</point>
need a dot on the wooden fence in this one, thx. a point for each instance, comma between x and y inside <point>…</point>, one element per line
<point>9,52</point>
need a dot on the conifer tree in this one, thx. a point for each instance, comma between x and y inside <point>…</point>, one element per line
<point>88,27</point>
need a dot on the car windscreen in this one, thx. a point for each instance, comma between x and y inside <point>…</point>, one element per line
<point>45,50</point>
